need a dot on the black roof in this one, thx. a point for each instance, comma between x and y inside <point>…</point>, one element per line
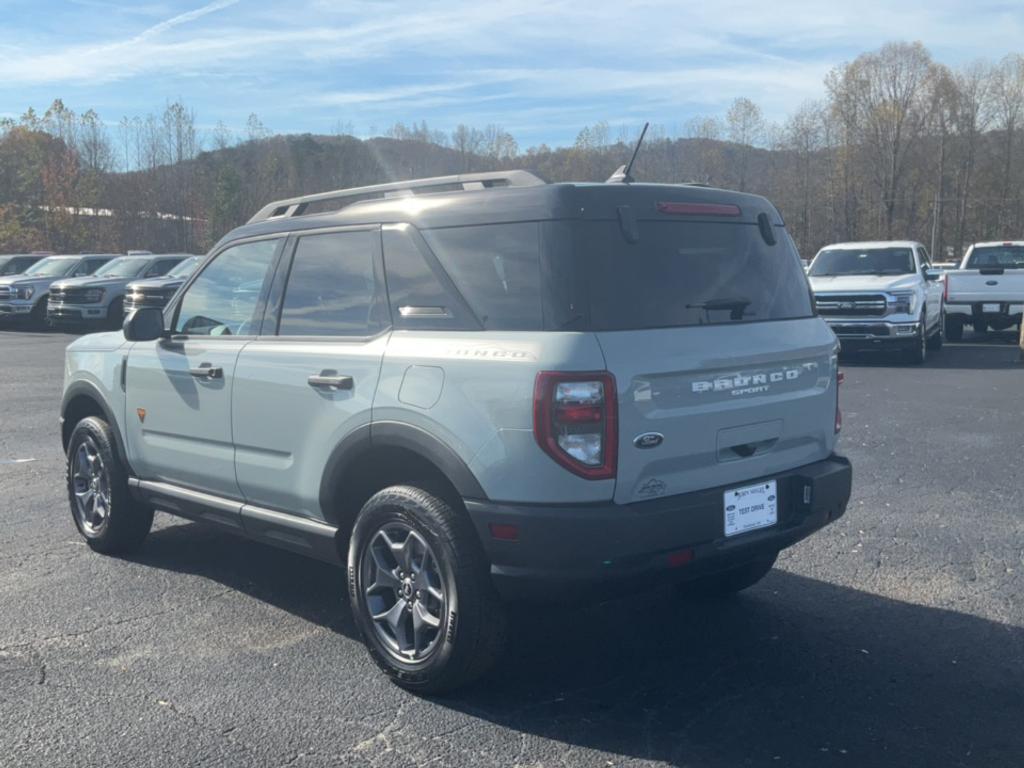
<point>499,204</point>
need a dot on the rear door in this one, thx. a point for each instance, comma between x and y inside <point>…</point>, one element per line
<point>723,373</point>
<point>309,380</point>
<point>178,390</point>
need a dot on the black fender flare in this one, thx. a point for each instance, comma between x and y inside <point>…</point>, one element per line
<point>395,434</point>
<point>82,388</point>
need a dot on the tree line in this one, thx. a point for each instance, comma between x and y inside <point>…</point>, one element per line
<point>899,146</point>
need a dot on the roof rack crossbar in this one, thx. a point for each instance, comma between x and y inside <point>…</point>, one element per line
<point>297,206</point>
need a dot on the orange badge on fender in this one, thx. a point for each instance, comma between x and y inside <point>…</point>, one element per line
<point>142,414</point>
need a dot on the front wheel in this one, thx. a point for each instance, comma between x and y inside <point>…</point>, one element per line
<point>936,339</point>
<point>421,592</point>
<point>105,513</point>
<point>917,353</point>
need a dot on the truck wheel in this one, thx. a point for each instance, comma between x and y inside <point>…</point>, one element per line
<point>731,581</point>
<point>105,513</point>
<point>37,317</point>
<point>936,339</point>
<point>115,314</point>
<point>917,353</point>
<point>954,328</point>
<point>421,593</point>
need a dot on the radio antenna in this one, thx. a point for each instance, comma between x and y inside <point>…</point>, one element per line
<point>621,176</point>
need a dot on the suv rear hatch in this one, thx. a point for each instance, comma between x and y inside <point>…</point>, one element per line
<point>724,374</point>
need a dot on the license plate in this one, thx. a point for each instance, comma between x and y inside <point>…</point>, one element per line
<point>751,507</point>
<point>990,308</point>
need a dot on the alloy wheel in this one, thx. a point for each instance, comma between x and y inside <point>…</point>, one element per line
<point>91,486</point>
<point>403,591</point>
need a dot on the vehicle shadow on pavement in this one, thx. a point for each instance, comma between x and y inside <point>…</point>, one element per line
<point>793,672</point>
<point>991,352</point>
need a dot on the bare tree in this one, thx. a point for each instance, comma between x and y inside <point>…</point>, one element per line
<point>1008,94</point>
<point>746,128</point>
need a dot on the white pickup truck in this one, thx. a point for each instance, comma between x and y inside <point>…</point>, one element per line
<point>883,295</point>
<point>988,289</point>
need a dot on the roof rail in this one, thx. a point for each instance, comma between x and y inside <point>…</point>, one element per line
<point>297,206</point>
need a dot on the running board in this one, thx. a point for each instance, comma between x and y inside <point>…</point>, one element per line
<point>280,529</point>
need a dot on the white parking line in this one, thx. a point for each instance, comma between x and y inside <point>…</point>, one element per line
<point>15,461</point>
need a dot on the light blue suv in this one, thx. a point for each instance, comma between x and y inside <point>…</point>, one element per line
<point>475,389</point>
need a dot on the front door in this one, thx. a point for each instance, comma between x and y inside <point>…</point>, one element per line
<point>178,390</point>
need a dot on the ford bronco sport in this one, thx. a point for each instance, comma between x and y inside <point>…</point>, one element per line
<point>470,390</point>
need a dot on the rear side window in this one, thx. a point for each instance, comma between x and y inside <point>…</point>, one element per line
<point>332,288</point>
<point>496,268</point>
<point>418,295</point>
<point>1005,256</point>
<point>689,273</point>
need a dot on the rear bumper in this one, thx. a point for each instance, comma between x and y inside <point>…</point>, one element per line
<point>564,549</point>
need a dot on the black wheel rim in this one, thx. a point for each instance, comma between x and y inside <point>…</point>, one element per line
<point>90,484</point>
<point>403,591</point>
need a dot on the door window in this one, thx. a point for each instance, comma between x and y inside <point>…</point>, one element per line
<point>333,288</point>
<point>225,298</point>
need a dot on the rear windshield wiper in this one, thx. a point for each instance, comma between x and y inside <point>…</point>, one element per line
<point>737,307</point>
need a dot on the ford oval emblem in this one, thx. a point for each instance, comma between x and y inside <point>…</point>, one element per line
<point>648,440</point>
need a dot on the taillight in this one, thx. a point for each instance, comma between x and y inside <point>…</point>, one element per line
<point>840,378</point>
<point>575,421</point>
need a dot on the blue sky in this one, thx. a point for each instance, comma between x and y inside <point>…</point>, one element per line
<point>541,69</point>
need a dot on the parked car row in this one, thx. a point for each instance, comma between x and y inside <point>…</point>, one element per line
<point>87,290</point>
<point>889,294</point>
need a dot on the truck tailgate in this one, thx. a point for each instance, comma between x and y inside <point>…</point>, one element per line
<point>969,286</point>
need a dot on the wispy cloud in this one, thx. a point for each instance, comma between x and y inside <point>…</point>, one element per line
<point>535,64</point>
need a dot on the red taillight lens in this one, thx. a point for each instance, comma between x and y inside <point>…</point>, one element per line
<point>699,209</point>
<point>575,421</point>
<point>840,378</point>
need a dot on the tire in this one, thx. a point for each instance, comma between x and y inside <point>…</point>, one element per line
<point>103,510</point>
<point>729,582</point>
<point>917,353</point>
<point>37,317</point>
<point>954,328</point>
<point>452,586</point>
<point>115,314</point>
<point>936,339</point>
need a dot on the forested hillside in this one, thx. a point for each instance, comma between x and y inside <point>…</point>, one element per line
<point>899,146</point>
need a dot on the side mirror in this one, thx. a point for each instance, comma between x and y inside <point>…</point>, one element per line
<point>932,275</point>
<point>144,324</point>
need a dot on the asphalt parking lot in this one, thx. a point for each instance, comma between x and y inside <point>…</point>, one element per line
<point>893,638</point>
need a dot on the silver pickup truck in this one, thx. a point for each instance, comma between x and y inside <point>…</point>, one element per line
<point>988,289</point>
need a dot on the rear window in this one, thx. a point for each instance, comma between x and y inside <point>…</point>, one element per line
<point>496,268</point>
<point>1004,256</point>
<point>689,273</point>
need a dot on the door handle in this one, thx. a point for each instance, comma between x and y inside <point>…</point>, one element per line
<point>333,382</point>
<point>207,371</point>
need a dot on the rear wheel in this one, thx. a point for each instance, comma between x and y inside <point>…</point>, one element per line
<point>105,513</point>
<point>954,328</point>
<point>731,581</point>
<point>421,592</point>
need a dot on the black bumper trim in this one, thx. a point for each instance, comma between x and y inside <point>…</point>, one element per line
<point>564,547</point>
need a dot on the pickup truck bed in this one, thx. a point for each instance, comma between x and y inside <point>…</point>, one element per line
<point>985,293</point>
